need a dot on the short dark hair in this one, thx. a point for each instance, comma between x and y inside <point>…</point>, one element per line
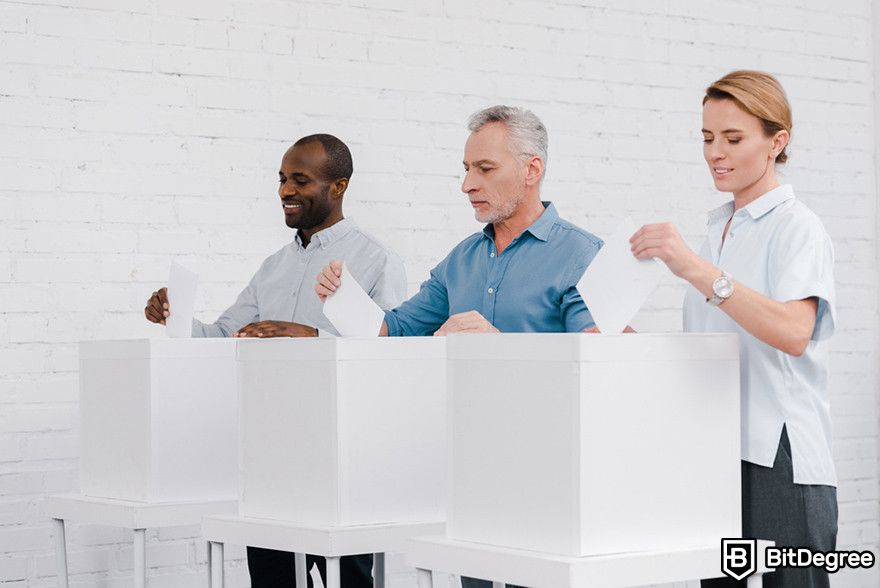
<point>338,163</point>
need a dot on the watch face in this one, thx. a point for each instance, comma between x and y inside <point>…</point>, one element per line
<point>723,287</point>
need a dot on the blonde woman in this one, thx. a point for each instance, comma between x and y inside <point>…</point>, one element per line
<point>766,273</point>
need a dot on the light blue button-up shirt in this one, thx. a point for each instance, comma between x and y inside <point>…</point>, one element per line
<point>283,289</point>
<point>778,247</point>
<point>529,287</point>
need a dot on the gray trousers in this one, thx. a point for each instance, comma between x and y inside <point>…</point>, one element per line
<point>792,515</point>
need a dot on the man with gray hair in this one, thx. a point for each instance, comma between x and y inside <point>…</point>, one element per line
<point>518,274</point>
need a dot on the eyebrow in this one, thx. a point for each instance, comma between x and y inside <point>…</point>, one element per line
<point>480,162</point>
<point>725,131</point>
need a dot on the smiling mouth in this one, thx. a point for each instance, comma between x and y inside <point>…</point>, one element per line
<point>291,206</point>
<point>722,171</point>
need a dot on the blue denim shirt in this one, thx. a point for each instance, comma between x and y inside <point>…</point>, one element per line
<point>529,287</point>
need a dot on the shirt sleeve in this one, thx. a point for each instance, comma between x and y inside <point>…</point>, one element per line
<point>801,265</point>
<point>426,311</point>
<point>243,312</point>
<point>390,287</point>
<point>575,315</point>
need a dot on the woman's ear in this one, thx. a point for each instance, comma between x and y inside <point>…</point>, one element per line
<point>779,142</point>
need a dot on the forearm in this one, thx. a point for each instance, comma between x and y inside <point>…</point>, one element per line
<point>787,326</point>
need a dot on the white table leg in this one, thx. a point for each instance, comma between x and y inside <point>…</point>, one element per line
<point>216,562</point>
<point>60,553</point>
<point>333,572</point>
<point>302,573</point>
<point>140,558</point>
<point>424,578</point>
<point>755,581</point>
<point>497,584</point>
<point>378,570</point>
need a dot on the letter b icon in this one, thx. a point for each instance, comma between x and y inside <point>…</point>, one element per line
<point>738,557</point>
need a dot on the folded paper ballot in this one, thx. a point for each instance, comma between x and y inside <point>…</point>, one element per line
<point>351,310</point>
<point>615,285</point>
<point>182,284</point>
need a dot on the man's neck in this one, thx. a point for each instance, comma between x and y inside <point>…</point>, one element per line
<point>305,235</point>
<point>522,218</point>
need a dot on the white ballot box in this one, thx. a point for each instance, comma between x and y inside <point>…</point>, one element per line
<point>343,431</point>
<point>582,445</point>
<point>159,419</point>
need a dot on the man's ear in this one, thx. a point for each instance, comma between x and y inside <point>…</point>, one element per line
<point>535,171</point>
<point>339,186</point>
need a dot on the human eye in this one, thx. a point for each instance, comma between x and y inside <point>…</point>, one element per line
<point>707,138</point>
<point>734,140</point>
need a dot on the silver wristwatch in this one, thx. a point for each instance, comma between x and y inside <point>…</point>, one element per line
<point>722,289</point>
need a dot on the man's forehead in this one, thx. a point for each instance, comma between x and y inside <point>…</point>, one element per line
<point>490,143</point>
<point>306,156</point>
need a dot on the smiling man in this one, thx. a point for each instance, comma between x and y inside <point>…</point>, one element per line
<point>280,300</point>
<point>518,274</point>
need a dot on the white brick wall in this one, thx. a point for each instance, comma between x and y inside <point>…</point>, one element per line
<point>133,132</point>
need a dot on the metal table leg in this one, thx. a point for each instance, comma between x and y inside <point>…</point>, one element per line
<point>378,570</point>
<point>60,553</point>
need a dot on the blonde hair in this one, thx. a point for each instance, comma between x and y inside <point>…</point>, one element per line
<point>759,94</point>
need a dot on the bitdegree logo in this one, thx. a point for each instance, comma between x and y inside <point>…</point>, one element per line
<point>803,557</point>
<point>739,558</point>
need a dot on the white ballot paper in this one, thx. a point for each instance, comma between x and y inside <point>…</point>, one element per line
<point>351,310</point>
<point>182,285</point>
<point>616,284</point>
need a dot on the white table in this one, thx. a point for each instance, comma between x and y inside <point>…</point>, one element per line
<point>541,570</point>
<point>330,542</point>
<point>127,514</point>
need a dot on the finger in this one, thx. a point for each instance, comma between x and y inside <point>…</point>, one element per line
<point>650,253</point>
<point>638,234</point>
<point>324,286</point>
<point>648,243</point>
<point>163,297</point>
<point>154,314</point>
<point>248,330</point>
<point>329,279</point>
<point>336,266</point>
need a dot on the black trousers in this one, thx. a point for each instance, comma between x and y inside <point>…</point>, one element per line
<point>276,569</point>
<point>792,515</point>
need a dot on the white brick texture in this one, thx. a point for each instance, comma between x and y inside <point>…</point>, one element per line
<point>135,132</point>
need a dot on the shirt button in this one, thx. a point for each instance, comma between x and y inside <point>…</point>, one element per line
<point>492,254</point>
<point>490,290</point>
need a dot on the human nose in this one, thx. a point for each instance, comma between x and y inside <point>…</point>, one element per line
<point>467,184</point>
<point>285,189</point>
<point>713,151</point>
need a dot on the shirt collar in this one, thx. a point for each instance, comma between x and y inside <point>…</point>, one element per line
<point>757,208</point>
<point>540,229</point>
<point>764,204</point>
<point>327,236</point>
